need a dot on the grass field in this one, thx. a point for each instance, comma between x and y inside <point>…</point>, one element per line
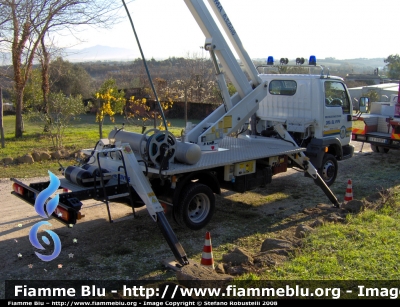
<point>83,133</point>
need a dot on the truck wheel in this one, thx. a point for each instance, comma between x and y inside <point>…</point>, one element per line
<point>196,206</point>
<point>380,149</point>
<point>328,170</point>
<point>383,149</point>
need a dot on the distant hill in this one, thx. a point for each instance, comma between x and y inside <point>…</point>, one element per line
<point>100,53</point>
<point>375,62</point>
<point>106,53</point>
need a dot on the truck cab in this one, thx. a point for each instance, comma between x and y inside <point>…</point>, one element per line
<point>315,109</point>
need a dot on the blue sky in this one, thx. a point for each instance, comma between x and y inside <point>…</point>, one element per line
<point>343,29</point>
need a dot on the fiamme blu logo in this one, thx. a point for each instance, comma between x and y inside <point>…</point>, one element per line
<point>45,208</point>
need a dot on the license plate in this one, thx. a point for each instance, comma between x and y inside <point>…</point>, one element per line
<point>377,140</point>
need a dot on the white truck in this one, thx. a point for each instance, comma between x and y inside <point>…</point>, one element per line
<point>381,124</point>
<point>315,109</point>
<point>182,174</point>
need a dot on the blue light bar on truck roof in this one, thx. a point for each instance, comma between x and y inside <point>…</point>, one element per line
<point>270,60</point>
<point>312,60</point>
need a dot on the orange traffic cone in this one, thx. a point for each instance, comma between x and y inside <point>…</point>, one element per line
<point>207,258</point>
<point>349,192</point>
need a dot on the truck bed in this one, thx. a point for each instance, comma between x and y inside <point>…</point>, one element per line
<point>233,150</point>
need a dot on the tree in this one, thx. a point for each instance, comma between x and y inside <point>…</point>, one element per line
<point>69,78</point>
<point>61,111</point>
<point>193,82</point>
<point>44,58</point>
<point>24,24</point>
<point>139,112</point>
<point>33,95</point>
<point>393,66</point>
<point>110,101</point>
<point>45,52</point>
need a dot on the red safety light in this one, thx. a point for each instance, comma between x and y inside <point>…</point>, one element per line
<point>62,213</point>
<point>18,189</point>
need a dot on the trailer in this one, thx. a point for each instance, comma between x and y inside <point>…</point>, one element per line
<point>182,174</point>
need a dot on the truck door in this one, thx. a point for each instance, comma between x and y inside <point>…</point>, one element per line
<point>337,111</point>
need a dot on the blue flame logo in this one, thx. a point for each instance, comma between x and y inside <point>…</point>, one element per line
<point>40,204</point>
<point>45,194</point>
<point>35,242</point>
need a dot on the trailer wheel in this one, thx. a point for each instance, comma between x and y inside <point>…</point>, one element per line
<point>196,206</point>
<point>328,170</point>
<point>380,149</point>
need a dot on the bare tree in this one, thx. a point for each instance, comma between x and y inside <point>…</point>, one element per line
<point>44,57</point>
<point>195,81</point>
<point>46,52</point>
<point>24,24</point>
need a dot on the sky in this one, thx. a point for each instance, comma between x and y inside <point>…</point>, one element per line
<point>342,29</point>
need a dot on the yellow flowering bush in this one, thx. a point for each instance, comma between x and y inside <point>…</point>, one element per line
<point>110,102</point>
<point>140,113</point>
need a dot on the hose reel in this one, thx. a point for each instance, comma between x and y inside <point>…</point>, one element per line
<point>158,147</point>
<point>187,153</point>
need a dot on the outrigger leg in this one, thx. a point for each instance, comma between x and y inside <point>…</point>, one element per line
<point>142,187</point>
<point>302,160</point>
<point>172,240</point>
<point>328,192</point>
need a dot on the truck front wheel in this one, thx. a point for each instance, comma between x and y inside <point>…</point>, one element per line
<point>196,206</point>
<point>328,170</point>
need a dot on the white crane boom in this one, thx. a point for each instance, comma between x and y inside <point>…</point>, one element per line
<point>236,110</point>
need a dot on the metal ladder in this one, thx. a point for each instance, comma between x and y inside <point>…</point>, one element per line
<point>106,198</point>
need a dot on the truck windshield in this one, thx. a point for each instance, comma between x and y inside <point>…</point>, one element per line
<point>336,96</point>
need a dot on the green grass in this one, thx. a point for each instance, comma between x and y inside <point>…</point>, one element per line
<point>81,134</point>
<point>366,247</point>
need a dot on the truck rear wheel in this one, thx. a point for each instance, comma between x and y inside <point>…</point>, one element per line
<point>196,206</point>
<point>381,149</point>
<point>328,170</point>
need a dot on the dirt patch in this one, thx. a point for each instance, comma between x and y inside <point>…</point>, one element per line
<point>134,248</point>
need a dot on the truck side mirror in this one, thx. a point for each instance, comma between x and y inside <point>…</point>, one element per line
<point>363,104</point>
